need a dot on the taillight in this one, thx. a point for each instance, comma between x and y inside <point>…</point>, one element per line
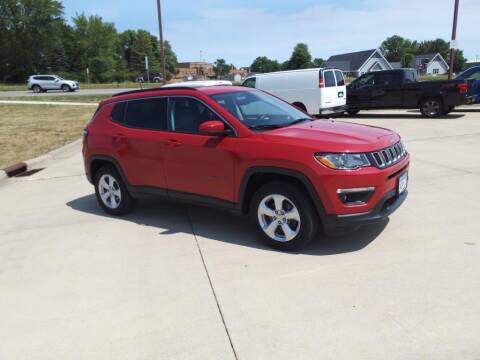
<point>321,82</point>
<point>463,88</point>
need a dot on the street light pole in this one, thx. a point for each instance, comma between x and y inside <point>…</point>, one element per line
<point>162,48</point>
<point>453,44</point>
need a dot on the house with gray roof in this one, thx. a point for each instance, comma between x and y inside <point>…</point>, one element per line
<point>360,62</point>
<point>430,64</point>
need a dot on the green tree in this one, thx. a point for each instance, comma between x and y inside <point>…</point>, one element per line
<point>135,46</point>
<point>398,49</point>
<point>96,47</point>
<point>171,62</point>
<point>443,47</point>
<point>262,64</point>
<point>221,67</point>
<point>27,29</point>
<point>301,58</point>
<point>318,62</point>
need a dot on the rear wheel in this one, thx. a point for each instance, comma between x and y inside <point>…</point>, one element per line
<point>284,216</point>
<point>353,112</point>
<point>111,192</point>
<point>432,107</point>
<point>36,89</point>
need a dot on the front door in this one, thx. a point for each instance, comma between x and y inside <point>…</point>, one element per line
<point>194,163</point>
<point>360,93</point>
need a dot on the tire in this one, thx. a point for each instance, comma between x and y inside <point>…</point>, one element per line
<point>269,210</point>
<point>353,112</point>
<point>449,110</point>
<point>432,107</point>
<point>111,192</point>
<point>66,88</point>
<point>37,89</point>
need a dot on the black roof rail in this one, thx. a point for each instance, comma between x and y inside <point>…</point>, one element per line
<point>155,89</point>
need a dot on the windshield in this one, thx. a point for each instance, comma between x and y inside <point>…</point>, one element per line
<point>260,111</point>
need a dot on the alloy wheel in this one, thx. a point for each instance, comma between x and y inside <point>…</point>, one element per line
<point>110,191</point>
<point>279,217</point>
<point>431,107</point>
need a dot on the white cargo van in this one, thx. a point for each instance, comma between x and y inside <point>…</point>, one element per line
<point>318,91</point>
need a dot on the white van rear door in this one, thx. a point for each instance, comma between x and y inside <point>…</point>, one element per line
<point>332,95</point>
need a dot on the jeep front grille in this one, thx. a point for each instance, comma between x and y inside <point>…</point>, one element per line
<point>389,156</point>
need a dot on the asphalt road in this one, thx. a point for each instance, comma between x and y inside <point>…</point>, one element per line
<point>61,93</point>
<point>173,281</point>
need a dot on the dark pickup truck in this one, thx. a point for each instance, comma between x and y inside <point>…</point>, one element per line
<point>401,89</point>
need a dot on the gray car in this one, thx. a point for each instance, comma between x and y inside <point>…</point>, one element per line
<point>44,83</point>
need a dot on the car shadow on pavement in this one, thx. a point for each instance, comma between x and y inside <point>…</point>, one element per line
<point>217,225</point>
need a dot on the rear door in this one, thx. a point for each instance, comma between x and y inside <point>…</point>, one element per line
<point>137,140</point>
<point>333,93</point>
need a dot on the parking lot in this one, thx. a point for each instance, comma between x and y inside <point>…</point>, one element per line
<point>187,282</point>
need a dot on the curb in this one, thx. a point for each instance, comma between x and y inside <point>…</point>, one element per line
<point>31,164</point>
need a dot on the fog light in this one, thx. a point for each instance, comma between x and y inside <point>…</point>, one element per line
<point>355,196</point>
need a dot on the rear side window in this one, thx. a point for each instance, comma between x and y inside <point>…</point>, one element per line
<point>250,82</point>
<point>118,112</point>
<point>329,79</point>
<point>148,114</point>
<point>340,78</point>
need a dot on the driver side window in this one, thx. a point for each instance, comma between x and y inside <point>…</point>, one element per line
<point>186,115</point>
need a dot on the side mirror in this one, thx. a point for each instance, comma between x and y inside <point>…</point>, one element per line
<point>213,128</point>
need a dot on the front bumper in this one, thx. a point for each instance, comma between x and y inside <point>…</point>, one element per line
<point>389,203</point>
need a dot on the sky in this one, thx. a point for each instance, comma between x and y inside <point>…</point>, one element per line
<point>241,30</point>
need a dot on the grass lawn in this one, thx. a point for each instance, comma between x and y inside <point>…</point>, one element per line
<point>28,131</point>
<point>59,98</point>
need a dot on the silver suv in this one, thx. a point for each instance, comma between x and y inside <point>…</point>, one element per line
<point>43,83</point>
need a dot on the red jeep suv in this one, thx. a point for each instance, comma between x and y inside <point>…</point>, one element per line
<point>247,151</point>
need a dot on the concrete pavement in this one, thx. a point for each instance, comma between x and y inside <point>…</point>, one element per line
<point>172,281</point>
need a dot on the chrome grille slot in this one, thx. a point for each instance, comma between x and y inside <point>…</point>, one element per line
<point>388,156</point>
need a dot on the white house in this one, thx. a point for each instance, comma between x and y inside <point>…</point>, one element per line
<point>430,64</point>
<point>360,62</point>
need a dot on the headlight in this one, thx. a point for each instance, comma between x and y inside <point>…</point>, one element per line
<point>343,161</point>
<point>404,146</point>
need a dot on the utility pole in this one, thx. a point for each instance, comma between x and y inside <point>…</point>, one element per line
<point>162,48</point>
<point>453,43</point>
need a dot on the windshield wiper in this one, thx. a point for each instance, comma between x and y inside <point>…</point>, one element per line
<point>299,121</point>
<point>265,126</point>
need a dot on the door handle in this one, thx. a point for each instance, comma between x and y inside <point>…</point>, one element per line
<point>173,142</point>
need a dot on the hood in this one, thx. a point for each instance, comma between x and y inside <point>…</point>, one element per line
<point>336,136</point>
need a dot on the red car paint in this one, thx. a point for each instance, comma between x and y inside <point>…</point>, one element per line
<point>215,166</point>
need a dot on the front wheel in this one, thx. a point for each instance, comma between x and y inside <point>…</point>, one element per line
<point>111,192</point>
<point>284,216</point>
<point>432,108</point>
<point>66,88</point>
